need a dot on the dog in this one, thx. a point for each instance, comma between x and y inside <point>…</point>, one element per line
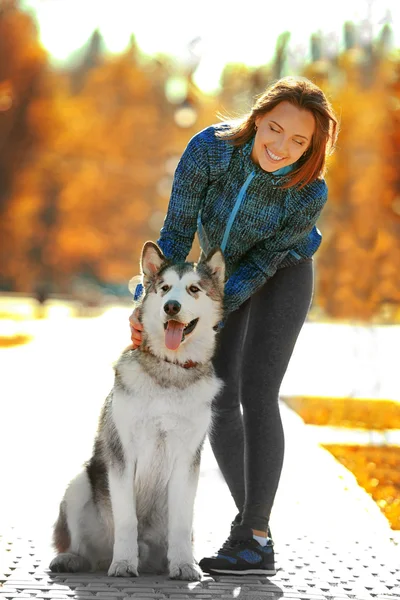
<point>130,509</point>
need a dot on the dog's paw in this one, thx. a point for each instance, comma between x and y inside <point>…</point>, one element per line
<point>67,562</point>
<point>122,568</point>
<point>186,572</point>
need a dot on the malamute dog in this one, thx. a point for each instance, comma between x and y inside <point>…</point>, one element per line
<point>131,507</point>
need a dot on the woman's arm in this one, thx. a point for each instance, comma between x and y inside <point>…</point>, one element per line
<point>262,261</point>
<point>189,188</point>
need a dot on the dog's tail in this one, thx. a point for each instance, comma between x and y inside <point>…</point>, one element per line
<point>61,533</point>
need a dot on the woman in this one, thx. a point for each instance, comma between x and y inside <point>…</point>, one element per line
<point>255,188</point>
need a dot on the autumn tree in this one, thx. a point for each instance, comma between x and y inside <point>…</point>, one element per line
<point>104,172</point>
<point>356,263</point>
<point>20,79</point>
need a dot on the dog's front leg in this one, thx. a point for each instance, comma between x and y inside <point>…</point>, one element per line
<point>182,488</point>
<point>123,502</point>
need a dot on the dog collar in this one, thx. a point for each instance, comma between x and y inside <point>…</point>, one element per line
<point>189,364</point>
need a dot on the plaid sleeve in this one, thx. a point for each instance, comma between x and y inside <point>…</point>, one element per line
<point>262,261</point>
<point>188,191</point>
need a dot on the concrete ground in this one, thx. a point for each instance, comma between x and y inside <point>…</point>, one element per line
<point>331,540</point>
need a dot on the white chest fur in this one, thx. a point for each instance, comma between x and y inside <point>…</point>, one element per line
<point>157,424</point>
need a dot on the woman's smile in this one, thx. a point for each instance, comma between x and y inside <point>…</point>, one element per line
<point>274,156</point>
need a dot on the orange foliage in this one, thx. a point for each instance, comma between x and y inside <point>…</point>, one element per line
<point>87,158</point>
<point>360,413</point>
<point>376,470</point>
<point>90,194</point>
<point>361,248</point>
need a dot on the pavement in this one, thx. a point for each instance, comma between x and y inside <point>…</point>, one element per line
<point>332,542</point>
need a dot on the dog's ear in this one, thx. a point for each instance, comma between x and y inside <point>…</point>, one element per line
<point>216,262</point>
<point>152,259</point>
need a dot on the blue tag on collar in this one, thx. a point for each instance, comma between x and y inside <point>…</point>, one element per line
<point>138,292</point>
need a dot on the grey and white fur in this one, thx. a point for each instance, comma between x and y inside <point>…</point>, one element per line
<point>130,509</point>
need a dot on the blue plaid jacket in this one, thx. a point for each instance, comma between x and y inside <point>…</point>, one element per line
<point>273,227</point>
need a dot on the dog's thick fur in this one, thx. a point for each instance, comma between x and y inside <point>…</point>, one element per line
<point>131,507</point>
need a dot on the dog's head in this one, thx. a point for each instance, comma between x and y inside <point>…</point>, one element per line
<point>182,304</point>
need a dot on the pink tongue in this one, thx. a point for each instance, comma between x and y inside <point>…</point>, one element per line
<point>173,334</point>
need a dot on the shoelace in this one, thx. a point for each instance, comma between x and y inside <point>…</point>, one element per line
<point>231,544</point>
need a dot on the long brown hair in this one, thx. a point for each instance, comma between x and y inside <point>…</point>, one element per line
<point>303,94</point>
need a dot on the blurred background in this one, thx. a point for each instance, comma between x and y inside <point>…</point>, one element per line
<point>98,100</point>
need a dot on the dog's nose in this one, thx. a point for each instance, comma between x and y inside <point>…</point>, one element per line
<point>172,307</point>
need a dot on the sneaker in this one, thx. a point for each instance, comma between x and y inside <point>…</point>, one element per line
<point>241,555</point>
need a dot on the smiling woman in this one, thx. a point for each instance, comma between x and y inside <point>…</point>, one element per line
<point>231,184</point>
<point>295,131</point>
<point>282,136</point>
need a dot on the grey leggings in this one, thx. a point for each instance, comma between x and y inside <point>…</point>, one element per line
<point>253,352</point>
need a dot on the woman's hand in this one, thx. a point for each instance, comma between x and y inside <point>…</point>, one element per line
<point>136,328</point>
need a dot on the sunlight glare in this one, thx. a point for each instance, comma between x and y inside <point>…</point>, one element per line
<point>170,28</point>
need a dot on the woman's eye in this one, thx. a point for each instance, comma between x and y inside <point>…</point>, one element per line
<point>272,129</point>
<point>299,143</point>
<point>165,288</point>
<point>194,289</point>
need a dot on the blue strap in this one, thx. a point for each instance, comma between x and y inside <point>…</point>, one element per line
<point>233,214</point>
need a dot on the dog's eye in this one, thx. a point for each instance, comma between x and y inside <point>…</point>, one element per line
<point>194,289</point>
<point>165,288</point>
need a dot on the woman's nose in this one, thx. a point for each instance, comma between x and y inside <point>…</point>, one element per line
<point>284,147</point>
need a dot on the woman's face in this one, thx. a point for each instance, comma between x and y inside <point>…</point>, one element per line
<point>283,135</point>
